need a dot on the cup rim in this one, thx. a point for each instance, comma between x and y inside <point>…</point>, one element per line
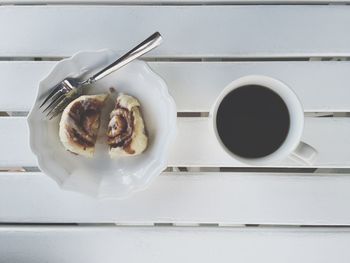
<point>295,111</point>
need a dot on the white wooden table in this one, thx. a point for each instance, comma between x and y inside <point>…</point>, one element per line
<point>205,207</point>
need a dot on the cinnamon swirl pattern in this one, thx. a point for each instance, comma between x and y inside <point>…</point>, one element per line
<point>126,134</point>
<point>80,123</point>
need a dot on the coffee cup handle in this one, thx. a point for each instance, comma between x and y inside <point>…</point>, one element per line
<point>304,153</point>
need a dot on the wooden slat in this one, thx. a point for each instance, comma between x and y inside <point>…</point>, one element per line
<point>173,245</point>
<point>326,79</point>
<point>20,83</point>
<point>155,2</point>
<point>196,146</point>
<point>218,31</point>
<point>186,198</point>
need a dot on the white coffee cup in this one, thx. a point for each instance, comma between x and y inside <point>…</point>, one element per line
<point>292,147</point>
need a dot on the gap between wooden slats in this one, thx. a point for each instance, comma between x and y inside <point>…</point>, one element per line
<point>196,146</point>
<point>90,27</point>
<point>320,85</point>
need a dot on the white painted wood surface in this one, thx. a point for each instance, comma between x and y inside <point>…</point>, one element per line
<point>200,56</point>
<point>124,244</point>
<point>321,86</point>
<point>218,31</point>
<point>186,198</point>
<point>195,145</point>
<point>174,2</point>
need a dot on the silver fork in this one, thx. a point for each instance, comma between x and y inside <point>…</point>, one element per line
<point>70,88</point>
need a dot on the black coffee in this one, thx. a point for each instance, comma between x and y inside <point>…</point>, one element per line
<point>252,121</point>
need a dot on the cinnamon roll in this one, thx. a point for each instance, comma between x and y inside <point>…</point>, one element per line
<point>80,123</point>
<point>126,133</point>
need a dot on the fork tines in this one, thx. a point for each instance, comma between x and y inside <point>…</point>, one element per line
<point>57,99</point>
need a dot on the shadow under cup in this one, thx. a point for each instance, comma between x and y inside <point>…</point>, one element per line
<point>252,121</point>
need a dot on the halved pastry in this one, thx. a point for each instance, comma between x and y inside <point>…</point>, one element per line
<point>126,130</point>
<point>80,123</point>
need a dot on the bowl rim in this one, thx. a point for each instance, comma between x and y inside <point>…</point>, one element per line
<point>168,139</point>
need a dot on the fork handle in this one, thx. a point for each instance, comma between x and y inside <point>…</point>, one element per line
<point>145,46</point>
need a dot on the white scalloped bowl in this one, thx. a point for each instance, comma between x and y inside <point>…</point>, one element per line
<point>101,176</point>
